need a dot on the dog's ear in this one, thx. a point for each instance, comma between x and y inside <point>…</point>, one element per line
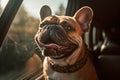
<point>84,17</point>
<point>45,11</point>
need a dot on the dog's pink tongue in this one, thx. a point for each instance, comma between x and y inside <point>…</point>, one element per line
<point>52,45</point>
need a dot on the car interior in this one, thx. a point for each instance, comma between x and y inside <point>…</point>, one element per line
<point>103,42</point>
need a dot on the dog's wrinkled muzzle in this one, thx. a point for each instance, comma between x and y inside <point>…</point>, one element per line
<point>53,41</point>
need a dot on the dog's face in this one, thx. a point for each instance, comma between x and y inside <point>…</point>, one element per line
<point>59,36</point>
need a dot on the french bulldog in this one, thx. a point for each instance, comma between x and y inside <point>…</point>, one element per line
<point>60,41</point>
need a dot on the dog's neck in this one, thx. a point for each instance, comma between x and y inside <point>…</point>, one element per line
<point>78,53</point>
<point>71,63</point>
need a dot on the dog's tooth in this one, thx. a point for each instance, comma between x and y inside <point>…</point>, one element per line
<point>63,47</point>
<point>42,50</point>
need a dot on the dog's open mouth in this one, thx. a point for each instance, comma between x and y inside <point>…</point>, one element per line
<point>55,50</point>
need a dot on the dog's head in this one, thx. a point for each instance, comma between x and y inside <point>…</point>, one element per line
<point>59,36</point>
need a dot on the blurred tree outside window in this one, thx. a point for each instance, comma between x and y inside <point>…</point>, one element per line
<point>61,10</point>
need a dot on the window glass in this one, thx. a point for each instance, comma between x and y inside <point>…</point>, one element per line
<point>19,45</point>
<point>3,3</point>
<point>33,6</point>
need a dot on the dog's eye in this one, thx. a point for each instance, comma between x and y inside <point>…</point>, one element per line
<point>67,26</point>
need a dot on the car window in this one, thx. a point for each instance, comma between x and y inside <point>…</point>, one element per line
<point>19,45</point>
